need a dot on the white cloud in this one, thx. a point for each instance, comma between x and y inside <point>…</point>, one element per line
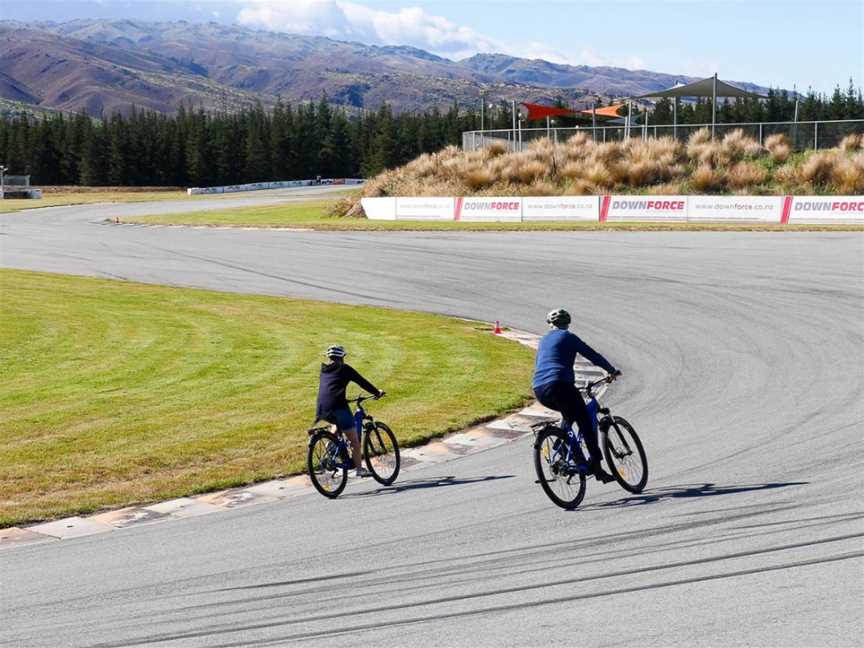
<point>353,21</point>
<point>347,20</point>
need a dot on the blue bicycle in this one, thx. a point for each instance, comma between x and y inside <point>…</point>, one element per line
<point>560,456</point>
<point>329,456</point>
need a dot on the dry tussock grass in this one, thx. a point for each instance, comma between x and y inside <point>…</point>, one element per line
<point>746,175</point>
<point>580,166</point>
<point>778,147</point>
<point>852,143</point>
<point>848,174</point>
<point>818,169</point>
<point>706,178</point>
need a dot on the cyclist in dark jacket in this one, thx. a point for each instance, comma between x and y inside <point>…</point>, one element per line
<point>332,405</point>
<point>554,380</point>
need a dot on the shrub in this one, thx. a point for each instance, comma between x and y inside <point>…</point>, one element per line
<point>701,136</point>
<point>736,145</point>
<point>495,149</point>
<point>852,143</point>
<point>607,152</point>
<point>598,174</point>
<point>574,170</point>
<point>540,188</point>
<point>666,189</point>
<point>706,178</point>
<point>746,175</point>
<point>531,170</point>
<point>479,178</point>
<point>848,174</point>
<point>580,187</point>
<point>818,169</point>
<point>778,147</point>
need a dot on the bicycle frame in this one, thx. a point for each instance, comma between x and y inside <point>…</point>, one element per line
<point>575,438</point>
<point>360,417</point>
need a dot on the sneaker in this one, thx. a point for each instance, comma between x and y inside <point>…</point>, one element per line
<point>602,476</point>
<point>362,472</point>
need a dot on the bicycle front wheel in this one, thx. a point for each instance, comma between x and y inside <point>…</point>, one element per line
<point>558,473</point>
<point>327,462</point>
<point>381,452</point>
<point>625,455</point>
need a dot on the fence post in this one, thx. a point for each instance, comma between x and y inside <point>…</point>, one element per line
<point>816,135</point>
<point>760,133</point>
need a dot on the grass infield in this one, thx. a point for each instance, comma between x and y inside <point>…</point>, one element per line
<point>61,199</point>
<point>114,393</point>
<point>314,215</point>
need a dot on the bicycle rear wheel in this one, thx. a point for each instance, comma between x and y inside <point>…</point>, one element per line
<point>327,462</point>
<point>625,455</point>
<point>559,476</point>
<point>381,452</point>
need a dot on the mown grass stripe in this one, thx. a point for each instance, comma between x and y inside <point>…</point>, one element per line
<point>114,393</point>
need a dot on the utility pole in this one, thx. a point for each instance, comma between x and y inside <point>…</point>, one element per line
<point>482,110</point>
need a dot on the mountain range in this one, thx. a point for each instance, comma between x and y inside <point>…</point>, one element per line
<point>104,66</point>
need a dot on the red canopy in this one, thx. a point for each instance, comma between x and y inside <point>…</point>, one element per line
<point>537,111</point>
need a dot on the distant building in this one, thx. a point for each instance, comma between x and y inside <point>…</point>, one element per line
<point>17,186</point>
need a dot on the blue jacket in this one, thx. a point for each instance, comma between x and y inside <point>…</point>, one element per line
<point>556,355</point>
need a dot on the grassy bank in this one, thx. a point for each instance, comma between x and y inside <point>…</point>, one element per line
<point>735,164</point>
<point>62,198</point>
<point>116,393</point>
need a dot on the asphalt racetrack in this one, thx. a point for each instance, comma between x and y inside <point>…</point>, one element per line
<point>742,359</point>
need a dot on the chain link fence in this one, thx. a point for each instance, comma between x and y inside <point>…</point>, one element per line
<point>802,135</point>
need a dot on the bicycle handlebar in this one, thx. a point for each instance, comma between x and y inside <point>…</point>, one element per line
<point>361,399</point>
<point>607,379</point>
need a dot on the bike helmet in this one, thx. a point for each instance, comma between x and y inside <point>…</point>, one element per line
<point>559,318</point>
<point>336,351</point>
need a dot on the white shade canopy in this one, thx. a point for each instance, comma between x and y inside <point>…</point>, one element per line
<point>703,88</point>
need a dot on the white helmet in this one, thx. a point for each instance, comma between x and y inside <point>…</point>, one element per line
<point>336,351</point>
<point>559,318</point>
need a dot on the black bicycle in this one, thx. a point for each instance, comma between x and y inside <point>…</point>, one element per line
<point>560,456</point>
<point>328,459</point>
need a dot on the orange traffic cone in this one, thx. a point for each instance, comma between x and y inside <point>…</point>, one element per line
<point>497,330</point>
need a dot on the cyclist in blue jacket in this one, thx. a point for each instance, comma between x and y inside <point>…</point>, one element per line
<point>332,405</point>
<point>554,382</point>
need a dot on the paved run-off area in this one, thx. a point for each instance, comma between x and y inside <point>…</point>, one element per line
<point>742,354</point>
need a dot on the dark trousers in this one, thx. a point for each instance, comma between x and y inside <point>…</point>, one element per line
<point>563,397</point>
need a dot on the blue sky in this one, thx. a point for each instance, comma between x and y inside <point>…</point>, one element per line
<point>770,42</point>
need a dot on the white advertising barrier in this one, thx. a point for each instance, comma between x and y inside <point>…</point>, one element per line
<point>561,208</point>
<point>379,208</point>
<point>643,208</point>
<point>744,209</point>
<point>827,209</point>
<point>485,209</point>
<point>252,186</point>
<point>425,208</point>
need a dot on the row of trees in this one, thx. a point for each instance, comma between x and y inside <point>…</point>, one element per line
<point>198,148</point>
<point>779,106</point>
<point>291,142</point>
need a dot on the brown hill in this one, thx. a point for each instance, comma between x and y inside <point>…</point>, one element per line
<point>104,66</point>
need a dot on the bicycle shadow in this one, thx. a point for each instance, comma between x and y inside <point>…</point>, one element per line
<point>420,484</point>
<point>683,491</point>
